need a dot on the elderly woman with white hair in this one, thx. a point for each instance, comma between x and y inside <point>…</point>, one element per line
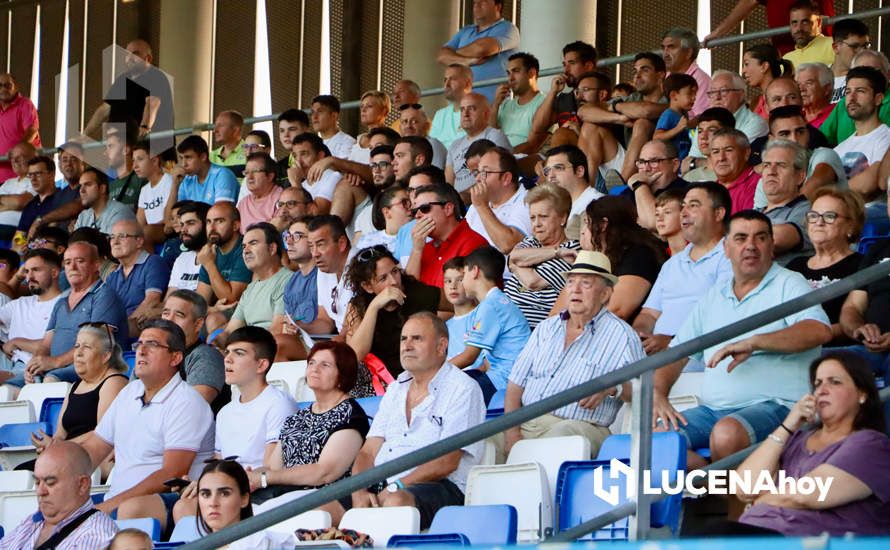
<point>816,84</point>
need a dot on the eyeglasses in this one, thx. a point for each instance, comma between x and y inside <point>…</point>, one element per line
<point>293,236</point>
<point>555,168</point>
<point>249,172</point>
<point>121,236</point>
<point>404,203</point>
<point>722,91</point>
<point>382,165</point>
<point>40,243</point>
<point>32,175</point>
<point>289,204</point>
<point>150,345</point>
<point>652,163</point>
<point>579,91</point>
<point>485,173</point>
<point>426,208</point>
<point>405,106</point>
<point>856,47</point>
<point>827,217</point>
<point>111,329</point>
<point>372,253</point>
<point>252,146</point>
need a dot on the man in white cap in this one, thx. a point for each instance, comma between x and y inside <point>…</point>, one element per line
<point>588,341</point>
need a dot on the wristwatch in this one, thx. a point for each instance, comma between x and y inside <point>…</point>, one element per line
<point>264,482</point>
<point>636,185</point>
<point>619,389</point>
<point>395,486</point>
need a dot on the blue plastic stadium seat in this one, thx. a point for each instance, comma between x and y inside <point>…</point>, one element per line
<point>16,435</point>
<point>496,405</point>
<point>668,454</point>
<point>50,411</point>
<point>411,541</point>
<point>617,190</point>
<point>130,358</point>
<point>149,526</point>
<point>867,242</point>
<point>577,503</point>
<point>370,405</point>
<point>491,524</point>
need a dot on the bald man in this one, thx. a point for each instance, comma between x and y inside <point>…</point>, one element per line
<point>62,481</point>
<point>475,113</point>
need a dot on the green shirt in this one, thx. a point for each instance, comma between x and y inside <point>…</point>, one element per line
<point>126,189</point>
<point>257,305</point>
<point>839,126</point>
<point>235,158</point>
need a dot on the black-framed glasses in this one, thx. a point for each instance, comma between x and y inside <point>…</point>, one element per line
<point>150,345</point>
<point>485,173</point>
<point>37,174</point>
<point>382,165</point>
<point>827,217</point>
<point>372,253</point>
<point>405,106</point>
<point>294,236</point>
<point>289,204</point>
<point>121,236</point>
<point>856,47</point>
<point>427,207</point>
<point>653,162</point>
<point>555,168</point>
<point>404,203</point>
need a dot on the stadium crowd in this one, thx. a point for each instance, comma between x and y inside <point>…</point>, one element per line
<point>530,240</point>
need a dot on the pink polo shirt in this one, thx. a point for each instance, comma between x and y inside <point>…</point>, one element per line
<point>255,210</point>
<point>14,120</point>
<point>742,190</point>
<point>704,81</point>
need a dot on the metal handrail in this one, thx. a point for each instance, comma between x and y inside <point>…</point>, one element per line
<point>364,479</point>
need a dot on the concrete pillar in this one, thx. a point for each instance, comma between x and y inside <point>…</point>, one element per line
<point>186,36</point>
<point>428,25</point>
<point>542,21</point>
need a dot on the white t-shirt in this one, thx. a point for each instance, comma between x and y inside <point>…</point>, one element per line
<point>340,144</point>
<point>858,152</point>
<point>244,429</point>
<point>840,85</point>
<point>184,274</point>
<point>324,187</point>
<point>440,153</point>
<point>513,213</point>
<point>329,299</point>
<point>153,199</point>
<point>26,317</point>
<point>14,186</point>
<point>359,154</point>
<point>361,219</point>
<point>375,237</point>
<point>579,205</point>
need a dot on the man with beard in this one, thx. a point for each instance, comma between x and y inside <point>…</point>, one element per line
<point>193,235</point>
<point>24,319</point>
<point>223,275</point>
<point>409,153</point>
<point>446,122</point>
<point>100,211</point>
<point>560,107</point>
<point>514,114</point>
<point>810,45</point>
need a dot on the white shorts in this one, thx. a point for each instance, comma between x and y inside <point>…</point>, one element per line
<point>615,163</point>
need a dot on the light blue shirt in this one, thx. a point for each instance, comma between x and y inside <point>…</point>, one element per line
<point>446,126</point>
<point>495,66</point>
<point>403,244</point>
<point>500,330</point>
<point>458,329</point>
<point>764,376</point>
<point>220,185</point>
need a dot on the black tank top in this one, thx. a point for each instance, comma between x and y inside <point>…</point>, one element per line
<point>80,414</point>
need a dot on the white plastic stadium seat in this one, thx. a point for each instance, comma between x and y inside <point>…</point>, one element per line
<point>525,486</point>
<point>17,412</point>
<point>293,375</point>
<point>15,507</point>
<point>313,519</point>
<point>550,453</point>
<point>36,393</point>
<point>382,523</point>
<point>16,480</point>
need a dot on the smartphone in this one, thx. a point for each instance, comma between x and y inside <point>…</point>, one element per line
<point>177,483</point>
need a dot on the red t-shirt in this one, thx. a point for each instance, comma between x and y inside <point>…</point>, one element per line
<point>461,242</point>
<point>777,15</point>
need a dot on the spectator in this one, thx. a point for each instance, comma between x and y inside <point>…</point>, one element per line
<point>202,365</point>
<point>88,300</point>
<point>451,403</point>
<point>729,155</point>
<point>687,276</point>
<point>325,119</point>
<point>414,122</point>
<point>658,166</point>
<point>679,49</point>
<point>410,152</point>
<point>316,445</point>
<point>193,235</point>
<point>100,212</point>
<point>126,185</point>
<point>175,434</point>
<point>598,141</point>
<point>404,92</point>
<point>40,173</point>
<point>516,101</point>
<point>172,247</point>
<point>484,46</point>
<point>538,261</point>
<point>437,211</point>
<point>131,538</point>
<point>223,493</point>
<point>422,176</point>
<point>155,194</point>
<point>223,273</point>
<point>139,282</point>
<point>458,325</point>
<point>392,210</point>
<point>761,64</point>
<point>833,226</point>
<point>198,179</point>
<point>299,308</point>
<point>15,192</point>
<point>262,253</point>
<point>824,167</point>
<point>227,128</point>
<point>673,125</point>
<point>737,408</point>
<point>20,122</point>
<point>23,320</point>
<point>330,249</point>
<point>51,238</point>
<point>850,37</point>
<point>499,212</point>
<point>634,252</point>
<point>776,17</point>
<point>668,220</point>
<point>600,343</point>
<point>474,117</point>
<point>815,81</point>
<point>498,329</point>
<point>257,141</point>
<point>560,105</point>
<point>784,171</point>
<point>696,167</point>
<point>293,204</point>
<point>566,166</point>
<point>810,45</point>
<point>623,89</point>
<point>839,125</point>
<point>291,123</point>
<point>102,374</point>
<point>62,481</point>
<point>373,109</point>
<point>307,150</point>
<point>70,161</point>
<point>446,122</point>
<point>845,404</point>
<point>260,203</point>
<point>728,91</point>
<point>382,298</point>
<point>99,240</point>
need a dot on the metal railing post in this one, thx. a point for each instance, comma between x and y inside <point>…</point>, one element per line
<point>641,452</point>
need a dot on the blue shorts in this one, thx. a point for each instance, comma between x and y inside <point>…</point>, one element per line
<point>759,420</point>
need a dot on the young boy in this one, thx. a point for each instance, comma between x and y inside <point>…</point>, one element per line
<point>459,325</point>
<point>673,125</point>
<point>498,329</point>
<point>667,218</point>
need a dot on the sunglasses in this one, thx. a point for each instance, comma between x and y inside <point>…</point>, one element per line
<point>426,208</point>
<point>109,328</point>
<point>405,106</point>
<point>372,253</point>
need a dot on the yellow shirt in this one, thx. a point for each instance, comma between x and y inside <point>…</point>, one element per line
<point>817,51</point>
